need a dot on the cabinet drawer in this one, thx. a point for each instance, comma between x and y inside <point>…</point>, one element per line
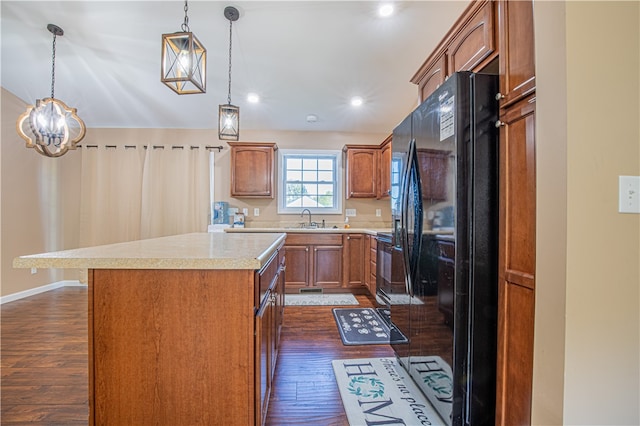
<point>303,239</point>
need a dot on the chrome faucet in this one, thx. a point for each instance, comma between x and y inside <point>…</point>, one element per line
<point>302,215</point>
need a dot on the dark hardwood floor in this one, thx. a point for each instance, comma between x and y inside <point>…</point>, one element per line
<point>44,363</point>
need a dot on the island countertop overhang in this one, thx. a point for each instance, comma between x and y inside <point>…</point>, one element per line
<point>186,251</point>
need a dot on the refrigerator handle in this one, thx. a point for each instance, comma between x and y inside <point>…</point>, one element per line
<point>404,205</point>
<point>414,189</point>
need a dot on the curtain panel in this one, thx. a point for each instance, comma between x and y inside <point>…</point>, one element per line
<point>135,192</point>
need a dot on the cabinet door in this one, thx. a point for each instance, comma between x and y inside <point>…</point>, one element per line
<point>252,170</point>
<point>384,185</point>
<point>373,264</point>
<point>264,356</point>
<point>433,173</point>
<point>354,260</point>
<point>475,41</point>
<point>327,266</point>
<point>298,267</point>
<point>517,61</point>
<point>362,167</point>
<point>433,77</point>
<point>516,281</point>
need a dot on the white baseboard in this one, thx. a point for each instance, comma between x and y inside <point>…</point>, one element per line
<point>41,289</point>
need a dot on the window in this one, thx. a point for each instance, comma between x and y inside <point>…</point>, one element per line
<point>310,180</point>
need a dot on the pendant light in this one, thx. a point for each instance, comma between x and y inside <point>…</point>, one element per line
<point>51,127</point>
<point>229,115</point>
<point>184,60</point>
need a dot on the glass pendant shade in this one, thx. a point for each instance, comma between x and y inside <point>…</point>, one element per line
<point>50,127</point>
<point>184,61</point>
<point>228,122</point>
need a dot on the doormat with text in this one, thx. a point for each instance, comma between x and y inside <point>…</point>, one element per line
<point>377,391</point>
<point>364,326</point>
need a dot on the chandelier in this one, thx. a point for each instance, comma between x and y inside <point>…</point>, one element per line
<point>51,127</point>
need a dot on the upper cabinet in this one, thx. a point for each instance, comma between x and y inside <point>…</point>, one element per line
<point>469,46</point>
<point>252,169</point>
<point>368,170</point>
<point>384,184</point>
<point>362,171</point>
<point>517,56</point>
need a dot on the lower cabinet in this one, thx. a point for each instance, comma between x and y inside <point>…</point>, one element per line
<point>314,261</point>
<point>268,326</point>
<point>354,260</point>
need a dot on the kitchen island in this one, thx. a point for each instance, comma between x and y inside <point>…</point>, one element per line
<point>182,329</point>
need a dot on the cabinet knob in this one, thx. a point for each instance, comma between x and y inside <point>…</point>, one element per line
<point>307,249</point>
<point>348,238</point>
<point>499,96</point>
<point>500,124</point>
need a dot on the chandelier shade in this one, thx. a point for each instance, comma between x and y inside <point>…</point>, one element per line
<point>184,61</point>
<point>50,126</point>
<point>228,122</point>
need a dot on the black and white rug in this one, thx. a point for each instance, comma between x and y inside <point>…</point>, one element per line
<point>376,391</point>
<point>365,326</point>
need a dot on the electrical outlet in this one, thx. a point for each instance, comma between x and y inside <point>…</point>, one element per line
<point>34,270</point>
<point>629,194</point>
<point>256,211</point>
<point>350,212</point>
<point>245,211</point>
<point>378,212</point>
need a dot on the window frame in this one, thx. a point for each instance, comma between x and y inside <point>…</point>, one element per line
<point>314,153</point>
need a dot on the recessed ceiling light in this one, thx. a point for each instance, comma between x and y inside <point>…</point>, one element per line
<point>385,10</point>
<point>312,118</point>
<point>253,98</point>
<point>356,101</point>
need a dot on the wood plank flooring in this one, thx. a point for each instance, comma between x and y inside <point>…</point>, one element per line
<point>44,363</point>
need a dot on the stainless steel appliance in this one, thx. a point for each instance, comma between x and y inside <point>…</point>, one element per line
<point>444,206</point>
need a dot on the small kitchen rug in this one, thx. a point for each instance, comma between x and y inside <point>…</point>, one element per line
<point>377,391</point>
<point>319,299</point>
<point>364,326</point>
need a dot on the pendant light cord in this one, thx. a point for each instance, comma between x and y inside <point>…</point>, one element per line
<point>229,92</point>
<point>53,66</point>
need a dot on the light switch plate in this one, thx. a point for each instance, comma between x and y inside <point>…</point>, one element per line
<point>245,211</point>
<point>350,212</point>
<point>256,211</point>
<point>629,194</point>
<point>378,212</point>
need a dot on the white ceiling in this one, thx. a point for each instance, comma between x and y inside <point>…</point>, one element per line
<point>301,57</point>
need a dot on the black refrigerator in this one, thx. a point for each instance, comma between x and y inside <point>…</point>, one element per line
<point>444,203</point>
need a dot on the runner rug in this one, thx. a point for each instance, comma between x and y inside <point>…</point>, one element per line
<point>376,391</point>
<point>319,299</point>
<point>365,326</point>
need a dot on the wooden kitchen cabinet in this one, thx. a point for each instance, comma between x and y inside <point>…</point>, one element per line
<point>517,56</point>
<point>384,174</point>
<point>269,319</point>
<point>516,269</point>
<point>183,346</point>
<point>470,45</point>
<point>373,264</point>
<point>354,260</point>
<point>433,76</point>
<point>314,261</point>
<point>252,169</point>
<point>434,167</point>
<point>474,40</point>
<point>362,165</point>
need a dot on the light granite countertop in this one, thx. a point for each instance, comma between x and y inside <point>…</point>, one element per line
<point>310,230</point>
<point>214,250</point>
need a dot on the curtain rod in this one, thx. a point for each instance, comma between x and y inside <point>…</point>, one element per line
<point>208,147</point>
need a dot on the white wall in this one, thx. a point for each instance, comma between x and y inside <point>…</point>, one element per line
<point>587,340</point>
